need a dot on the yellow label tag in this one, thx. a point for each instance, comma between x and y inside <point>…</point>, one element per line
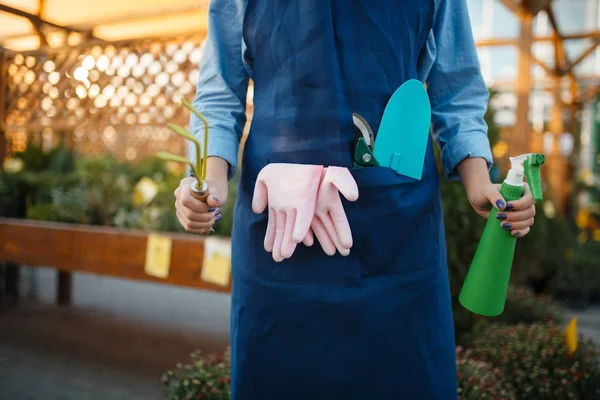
<point>216,267</point>
<point>571,336</point>
<point>158,255</point>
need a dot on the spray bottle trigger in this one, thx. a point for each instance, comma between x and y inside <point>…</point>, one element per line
<point>533,165</point>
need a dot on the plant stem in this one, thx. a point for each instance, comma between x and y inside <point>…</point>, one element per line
<point>205,149</point>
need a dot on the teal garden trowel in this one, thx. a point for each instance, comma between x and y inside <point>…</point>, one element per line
<point>401,140</point>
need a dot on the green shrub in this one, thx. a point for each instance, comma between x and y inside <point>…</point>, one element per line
<point>13,195</point>
<point>522,306</point>
<point>204,377</point>
<point>478,380</point>
<point>534,360</point>
<point>43,212</point>
<point>207,377</point>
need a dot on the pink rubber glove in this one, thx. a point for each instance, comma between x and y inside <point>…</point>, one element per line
<point>330,223</point>
<point>290,192</point>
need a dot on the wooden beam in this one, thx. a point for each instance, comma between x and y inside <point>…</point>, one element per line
<point>575,94</point>
<point>563,65</point>
<point>3,101</point>
<point>556,165</point>
<point>141,14</point>
<point>496,42</point>
<point>594,35</point>
<point>522,132</point>
<point>589,94</point>
<point>535,6</point>
<point>30,17</point>
<point>37,20</point>
<point>584,55</point>
<point>515,7</point>
<point>64,288</point>
<point>37,24</point>
<point>543,65</point>
<point>40,34</point>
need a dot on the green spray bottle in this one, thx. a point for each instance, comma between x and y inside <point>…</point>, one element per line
<point>486,284</point>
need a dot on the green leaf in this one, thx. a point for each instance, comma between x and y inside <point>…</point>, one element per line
<point>181,131</point>
<point>166,156</point>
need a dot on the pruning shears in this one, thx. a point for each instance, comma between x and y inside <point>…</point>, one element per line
<point>364,143</point>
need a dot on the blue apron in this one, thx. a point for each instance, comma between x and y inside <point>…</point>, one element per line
<point>376,324</point>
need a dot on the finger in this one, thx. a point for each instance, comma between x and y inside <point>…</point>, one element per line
<point>517,226</point>
<point>493,195</point>
<point>302,223</point>
<point>271,228</point>
<point>213,197</point>
<point>341,225</point>
<point>190,226</point>
<point>343,180</point>
<point>517,216</point>
<point>260,197</point>
<point>483,213</point>
<point>328,223</point>
<point>520,233</point>
<point>524,202</point>
<point>309,240</point>
<point>279,232</point>
<point>289,245</point>
<point>194,204</point>
<point>323,237</point>
<point>197,217</point>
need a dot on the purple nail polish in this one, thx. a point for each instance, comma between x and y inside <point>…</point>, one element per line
<point>506,225</point>
<point>509,207</point>
<point>501,216</point>
<point>515,233</point>
<point>500,204</point>
<point>218,212</point>
<point>211,209</point>
<point>218,218</point>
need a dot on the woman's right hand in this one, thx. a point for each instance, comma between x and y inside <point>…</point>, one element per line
<point>198,216</point>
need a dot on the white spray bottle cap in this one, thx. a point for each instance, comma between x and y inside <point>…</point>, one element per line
<point>517,170</point>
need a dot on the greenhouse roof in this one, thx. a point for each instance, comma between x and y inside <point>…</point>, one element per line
<point>26,24</point>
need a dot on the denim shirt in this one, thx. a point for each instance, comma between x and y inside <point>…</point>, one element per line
<point>448,64</point>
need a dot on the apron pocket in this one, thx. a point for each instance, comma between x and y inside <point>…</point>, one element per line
<point>393,222</point>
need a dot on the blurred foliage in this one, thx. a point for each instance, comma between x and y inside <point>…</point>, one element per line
<point>478,380</point>
<point>203,377</point>
<point>535,361</point>
<point>522,306</point>
<point>577,277</point>
<point>63,187</point>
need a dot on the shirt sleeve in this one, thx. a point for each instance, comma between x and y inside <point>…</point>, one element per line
<point>223,84</point>
<point>457,92</point>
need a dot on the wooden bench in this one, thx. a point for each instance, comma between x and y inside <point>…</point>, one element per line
<point>119,253</point>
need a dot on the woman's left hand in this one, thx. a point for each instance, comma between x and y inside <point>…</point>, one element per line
<point>516,216</point>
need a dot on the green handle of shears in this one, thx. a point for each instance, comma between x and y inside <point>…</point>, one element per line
<point>363,156</point>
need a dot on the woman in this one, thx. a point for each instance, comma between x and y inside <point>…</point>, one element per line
<point>376,324</point>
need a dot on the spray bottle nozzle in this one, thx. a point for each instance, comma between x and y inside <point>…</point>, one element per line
<point>528,166</point>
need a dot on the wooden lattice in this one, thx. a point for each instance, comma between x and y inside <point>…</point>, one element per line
<point>104,97</point>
